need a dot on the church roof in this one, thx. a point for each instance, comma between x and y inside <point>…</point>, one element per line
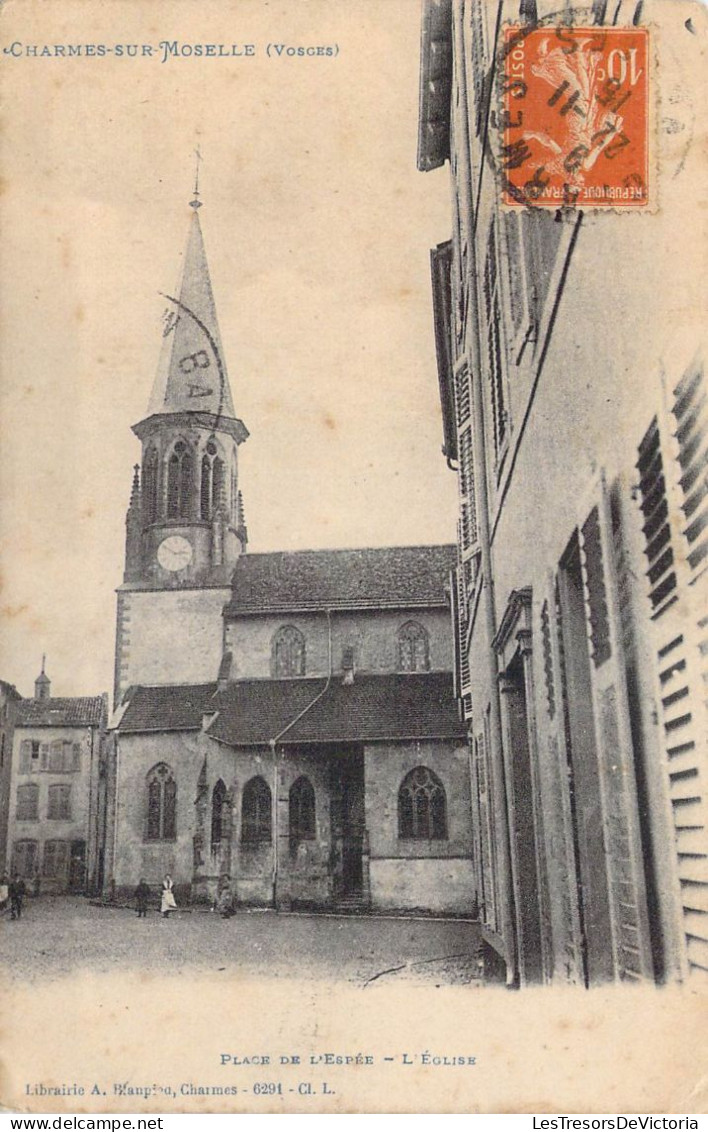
<point>191,374</point>
<point>58,711</point>
<point>390,577</point>
<point>253,712</point>
<point>173,707</point>
<point>391,706</point>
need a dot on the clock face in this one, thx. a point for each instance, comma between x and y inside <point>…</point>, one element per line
<point>174,553</point>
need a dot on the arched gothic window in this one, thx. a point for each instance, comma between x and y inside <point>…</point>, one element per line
<point>161,804</point>
<point>212,482</point>
<point>256,812</point>
<point>422,807</point>
<point>179,481</point>
<point>288,652</point>
<point>302,811</point>
<point>150,485</point>
<point>218,798</point>
<point>413,648</point>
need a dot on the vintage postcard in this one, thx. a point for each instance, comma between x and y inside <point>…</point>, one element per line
<point>354,495</point>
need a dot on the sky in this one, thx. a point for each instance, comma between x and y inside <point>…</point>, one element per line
<point>318,229</point>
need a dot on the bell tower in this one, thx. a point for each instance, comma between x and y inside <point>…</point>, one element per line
<point>185,525</point>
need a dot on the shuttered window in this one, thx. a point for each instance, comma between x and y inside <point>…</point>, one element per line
<point>661,573</point>
<point>59,808</point>
<point>494,347</point>
<point>691,414</point>
<point>463,396</point>
<point>64,757</point>
<point>24,858</point>
<point>56,859</point>
<point>468,504</point>
<point>463,606</point>
<point>27,802</point>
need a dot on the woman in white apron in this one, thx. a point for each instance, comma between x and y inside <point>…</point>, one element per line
<point>167,904</point>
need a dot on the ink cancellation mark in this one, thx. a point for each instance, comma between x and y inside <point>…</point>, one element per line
<point>574,117</point>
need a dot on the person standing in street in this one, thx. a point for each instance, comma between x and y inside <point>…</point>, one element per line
<point>142,897</point>
<point>225,897</point>
<point>168,903</point>
<point>17,894</point>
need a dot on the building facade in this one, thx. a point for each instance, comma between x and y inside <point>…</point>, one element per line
<point>9,698</point>
<point>574,409</point>
<point>57,796</point>
<point>286,719</point>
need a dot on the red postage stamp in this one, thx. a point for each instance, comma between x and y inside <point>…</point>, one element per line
<point>575,117</point>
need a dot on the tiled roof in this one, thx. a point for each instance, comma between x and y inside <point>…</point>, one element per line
<point>415,706</point>
<point>79,711</point>
<point>381,578</point>
<point>175,707</point>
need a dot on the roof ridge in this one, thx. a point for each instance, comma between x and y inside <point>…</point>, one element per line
<point>347,550</point>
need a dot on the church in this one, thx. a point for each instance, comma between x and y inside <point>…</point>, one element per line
<point>288,719</point>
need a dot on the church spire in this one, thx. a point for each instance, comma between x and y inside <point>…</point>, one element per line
<point>191,375</point>
<point>42,684</point>
<point>195,202</point>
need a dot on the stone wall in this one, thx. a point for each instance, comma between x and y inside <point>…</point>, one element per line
<point>434,875</point>
<point>373,637</point>
<point>168,637</point>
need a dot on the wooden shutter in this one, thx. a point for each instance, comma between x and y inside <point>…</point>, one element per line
<point>561,862</point>
<point>25,756</point>
<point>628,910</point>
<point>43,756</point>
<point>680,438</point>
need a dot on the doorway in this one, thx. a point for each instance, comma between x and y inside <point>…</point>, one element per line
<point>348,823</point>
<point>77,867</point>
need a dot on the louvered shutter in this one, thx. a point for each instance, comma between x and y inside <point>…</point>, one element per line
<point>681,643</point>
<point>559,846</point>
<point>25,756</point>
<point>628,911</point>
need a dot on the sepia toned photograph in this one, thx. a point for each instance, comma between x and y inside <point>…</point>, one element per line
<point>354,500</point>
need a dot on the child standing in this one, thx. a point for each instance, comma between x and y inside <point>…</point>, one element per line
<point>142,896</point>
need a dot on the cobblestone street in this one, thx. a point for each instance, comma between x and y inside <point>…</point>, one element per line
<point>58,935</point>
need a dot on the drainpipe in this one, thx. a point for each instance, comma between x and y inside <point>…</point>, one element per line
<point>272,743</point>
<point>480,476</point>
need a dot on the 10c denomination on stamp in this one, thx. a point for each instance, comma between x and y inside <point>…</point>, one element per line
<point>575,116</point>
